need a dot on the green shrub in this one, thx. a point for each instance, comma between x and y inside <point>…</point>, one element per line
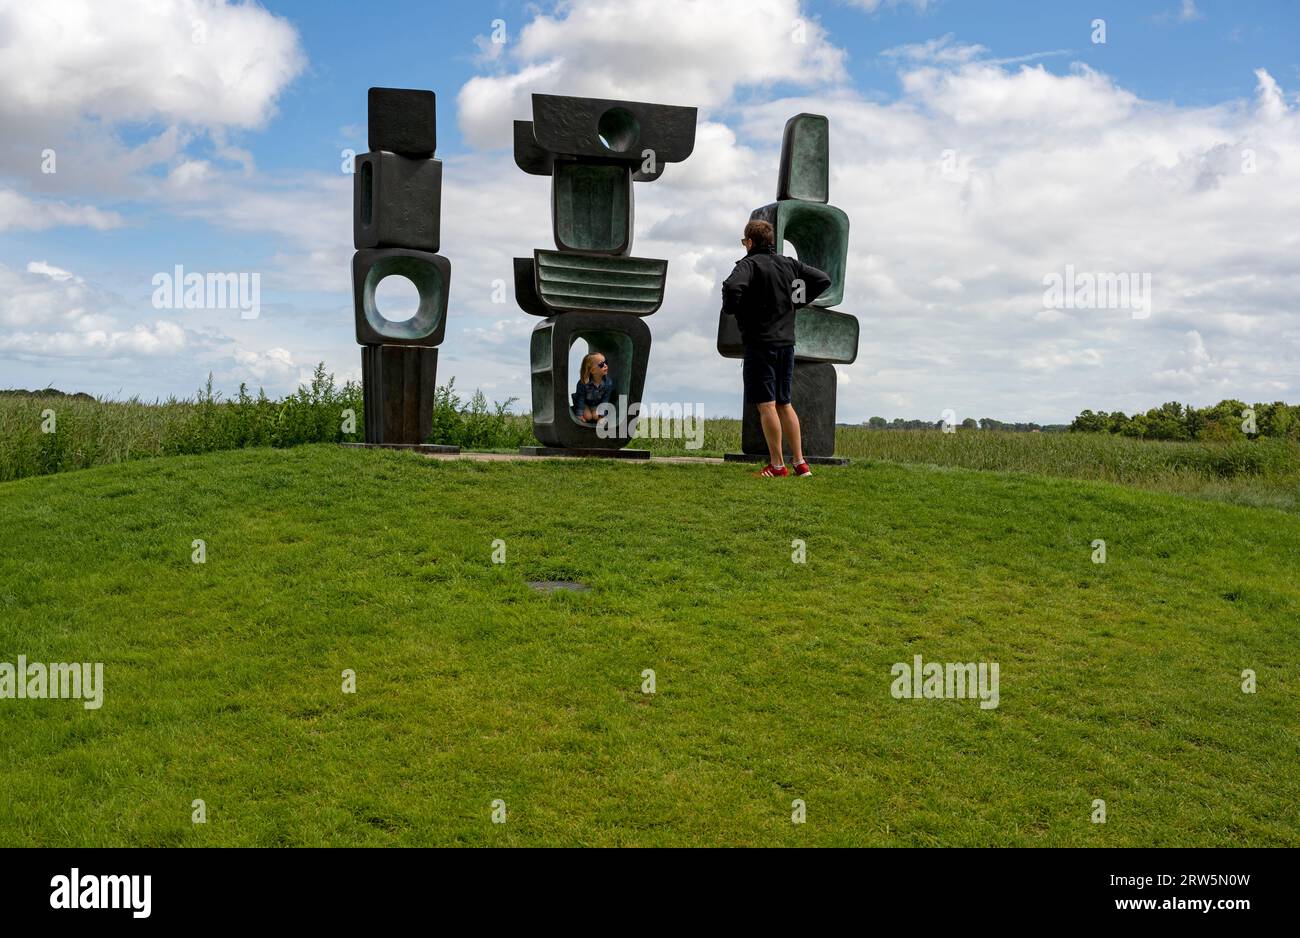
<point>476,425</point>
<point>91,432</point>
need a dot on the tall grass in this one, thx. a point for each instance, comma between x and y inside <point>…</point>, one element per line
<point>89,432</point>
<point>1257,472</point>
<point>475,424</point>
<point>41,434</point>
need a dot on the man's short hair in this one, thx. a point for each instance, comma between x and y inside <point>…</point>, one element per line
<point>760,232</point>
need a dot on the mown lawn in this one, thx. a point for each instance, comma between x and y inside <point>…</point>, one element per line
<point>1119,681</point>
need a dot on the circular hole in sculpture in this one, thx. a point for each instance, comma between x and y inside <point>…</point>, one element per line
<point>396,298</point>
<point>618,130</point>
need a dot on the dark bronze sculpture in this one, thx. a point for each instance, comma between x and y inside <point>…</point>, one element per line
<point>397,207</point>
<point>590,288</point>
<point>819,233</point>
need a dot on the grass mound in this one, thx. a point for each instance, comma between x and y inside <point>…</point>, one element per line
<point>1119,681</point>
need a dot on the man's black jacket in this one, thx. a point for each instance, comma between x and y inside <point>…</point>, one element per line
<point>760,291</point>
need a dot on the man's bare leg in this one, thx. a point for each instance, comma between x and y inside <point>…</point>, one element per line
<point>771,432</point>
<point>790,424</point>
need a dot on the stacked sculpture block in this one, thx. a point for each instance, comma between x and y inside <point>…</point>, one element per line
<point>590,287</point>
<point>396,215</point>
<point>819,234</point>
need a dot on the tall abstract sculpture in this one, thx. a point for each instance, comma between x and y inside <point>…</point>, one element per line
<point>590,287</point>
<point>396,215</point>
<point>819,234</point>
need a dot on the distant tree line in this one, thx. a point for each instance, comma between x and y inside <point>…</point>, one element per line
<point>1225,421</point>
<point>45,392</point>
<point>970,423</point>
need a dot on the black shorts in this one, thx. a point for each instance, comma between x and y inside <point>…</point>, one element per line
<point>769,373</point>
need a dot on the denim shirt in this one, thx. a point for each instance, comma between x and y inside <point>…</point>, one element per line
<point>592,395</point>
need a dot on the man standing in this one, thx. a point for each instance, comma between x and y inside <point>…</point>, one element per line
<point>762,293</point>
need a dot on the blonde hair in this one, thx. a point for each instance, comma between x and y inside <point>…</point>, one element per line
<point>589,368</point>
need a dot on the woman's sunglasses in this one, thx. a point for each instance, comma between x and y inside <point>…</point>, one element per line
<point>602,364</point>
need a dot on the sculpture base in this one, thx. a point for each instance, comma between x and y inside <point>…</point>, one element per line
<point>584,451</point>
<point>398,383</point>
<point>812,460</point>
<point>418,447</point>
<point>814,401</point>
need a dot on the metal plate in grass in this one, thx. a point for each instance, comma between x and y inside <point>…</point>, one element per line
<point>551,586</point>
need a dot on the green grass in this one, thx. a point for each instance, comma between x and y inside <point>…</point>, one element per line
<point>1262,472</point>
<point>1119,681</point>
<point>43,433</point>
<point>89,432</point>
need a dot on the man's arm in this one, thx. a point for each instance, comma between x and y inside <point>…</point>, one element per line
<point>815,282</point>
<point>733,289</point>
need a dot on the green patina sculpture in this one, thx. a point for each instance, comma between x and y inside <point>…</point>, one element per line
<point>590,288</point>
<point>825,335</point>
<point>578,283</point>
<point>396,229</point>
<point>819,234</point>
<point>805,171</point>
<point>592,207</point>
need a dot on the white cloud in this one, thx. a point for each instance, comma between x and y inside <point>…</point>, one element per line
<point>1054,358</point>
<point>193,62</point>
<point>987,94</point>
<point>946,267</point>
<point>666,51</point>
<point>872,6</point>
<point>946,257</point>
<point>140,341</point>
<point>18,212</point>
<point>275,364</point>
<point>943,50</point>
<point>84,79</point>
<point>59,329</point>
<point>54,312</point>
<point>1270,102</point>
<point>49,270</point>
<point>309,213</point>
<point>74,74</point>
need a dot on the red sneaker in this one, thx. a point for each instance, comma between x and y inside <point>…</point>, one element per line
<point>803,469</point>
<point>773,472</point>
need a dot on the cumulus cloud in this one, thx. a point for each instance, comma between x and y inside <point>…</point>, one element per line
<point>196,62</point>
<point>54,312</point>
<point>140,341</point>
<point>979,178</point>
<point>982,177</point>
<point>18,212</point>
<point>49,270</point>
<point>274,364</point>
<point>649,50</point>
<point>74,75</point>
<point>59,328</point>
<point>309,213</point>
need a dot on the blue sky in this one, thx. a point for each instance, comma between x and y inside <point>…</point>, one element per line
<point>1118,157</point>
